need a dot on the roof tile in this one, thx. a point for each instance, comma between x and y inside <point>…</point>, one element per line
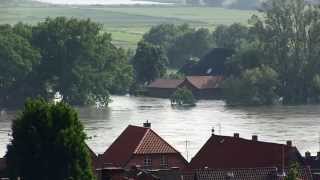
<point>229,152</point>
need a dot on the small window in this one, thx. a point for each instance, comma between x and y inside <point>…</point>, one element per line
<point>147,162</point>
<point>164,162</point>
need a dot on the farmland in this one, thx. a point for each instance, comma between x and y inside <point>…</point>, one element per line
<point>127,23</point>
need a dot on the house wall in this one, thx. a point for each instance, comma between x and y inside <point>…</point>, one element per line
<point>174,160</point>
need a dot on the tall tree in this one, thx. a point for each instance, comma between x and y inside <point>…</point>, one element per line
<point>150,62</point>
<point>194,44</point>
<point>18,59</point>
<point>290,33</point>
<point>52,139</point>
<point>79,61</point>
<point>230,36</point>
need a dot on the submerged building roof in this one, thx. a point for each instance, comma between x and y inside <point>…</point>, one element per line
<point>205,82</point>
<point>199,82</point>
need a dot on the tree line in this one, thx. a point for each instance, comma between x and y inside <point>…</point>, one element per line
<point>275,59</point>
<point>71,56</point>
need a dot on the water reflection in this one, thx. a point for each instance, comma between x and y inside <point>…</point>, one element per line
<point>176,125</point>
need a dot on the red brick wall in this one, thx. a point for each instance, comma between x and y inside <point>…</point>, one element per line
<point>174,160</point>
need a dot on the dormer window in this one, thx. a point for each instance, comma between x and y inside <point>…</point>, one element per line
<point>164,162</point>
<point>147,162</point>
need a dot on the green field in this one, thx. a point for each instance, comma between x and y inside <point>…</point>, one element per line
<point>128,23</point>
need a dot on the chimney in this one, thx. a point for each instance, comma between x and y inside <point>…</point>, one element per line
<point>147,124</point>
<point>212,131</point>
<point>289,143</point>
<point>307,155</point>
<point>255,138</point>
<point>236,135</point>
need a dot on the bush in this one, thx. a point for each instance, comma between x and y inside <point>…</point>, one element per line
<point>254,87</point>
<point>183,97</point>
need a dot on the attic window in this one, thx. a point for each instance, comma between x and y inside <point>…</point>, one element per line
<point>147,162</point>
<point>164,162</point>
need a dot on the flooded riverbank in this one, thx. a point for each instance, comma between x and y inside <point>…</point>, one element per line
<point>276,124</point>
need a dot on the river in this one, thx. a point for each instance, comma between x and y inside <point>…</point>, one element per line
<point>99,2</point>
<point>275,124</point>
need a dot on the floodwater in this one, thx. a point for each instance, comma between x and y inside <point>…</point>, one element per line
<point>187,129</point>
<point>98,2</point>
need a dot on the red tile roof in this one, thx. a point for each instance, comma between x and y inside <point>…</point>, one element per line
<point>135,140</point>
<point>165,83</point>
<point>153,144</point>
<point>223,152</point>
<point>205,82</point>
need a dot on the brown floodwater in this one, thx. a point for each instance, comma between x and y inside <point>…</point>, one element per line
<point>192,125</point>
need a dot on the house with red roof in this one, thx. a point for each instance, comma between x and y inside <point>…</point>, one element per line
<point>224,156</point>
<point>221,152</point>
<point>202,87</point>
<point>141,147</point>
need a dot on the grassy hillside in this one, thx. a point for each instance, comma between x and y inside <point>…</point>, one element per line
<point>127,23</point>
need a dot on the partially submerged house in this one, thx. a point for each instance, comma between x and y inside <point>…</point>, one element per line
<point>141,147</point>
<point>202,87</point>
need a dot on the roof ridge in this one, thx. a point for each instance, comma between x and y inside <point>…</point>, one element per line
<point>141,141</point>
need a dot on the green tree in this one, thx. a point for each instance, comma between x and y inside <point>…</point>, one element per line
<point>150,62</point>
<point>256,86</point>
<point>79,61</point>
<point>183,97</point>
<point>165,35</point>
<point>231,36</point>
<point>290,31</point>
<point>248,55</point>
<point>193,44</point>
<point>48,142</point>
<point>18,59</point>
<point>293,172</point>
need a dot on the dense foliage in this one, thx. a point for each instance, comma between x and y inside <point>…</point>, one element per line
<point>149,63</point>
<point>254,86</point>
<point>183,97</point>
<point>48,142</point>
<point>180,42</point>
<point>286,41</point>
<point>274,60</point>
<point>71,56</point>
